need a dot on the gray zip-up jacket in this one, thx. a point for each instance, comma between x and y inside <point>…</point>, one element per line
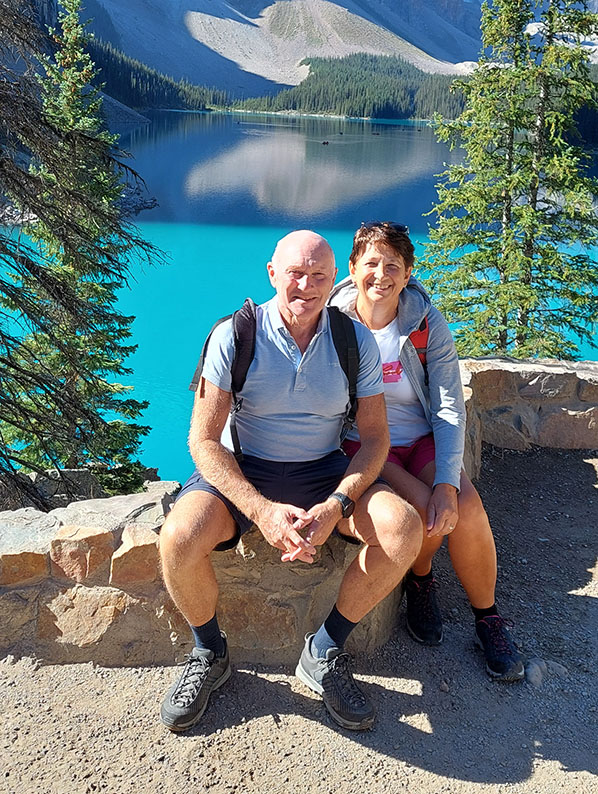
<point>441,393</point>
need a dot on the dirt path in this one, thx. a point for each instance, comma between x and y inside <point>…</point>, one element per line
<point>442,725</point>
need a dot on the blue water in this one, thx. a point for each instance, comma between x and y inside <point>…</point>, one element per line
<point>229,186</point>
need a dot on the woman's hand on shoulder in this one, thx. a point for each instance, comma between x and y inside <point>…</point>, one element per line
<point>443,512</point>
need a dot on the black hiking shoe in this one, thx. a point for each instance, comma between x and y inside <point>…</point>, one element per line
<point>423,615</point>
<point>503,660</point>
<point>187,698</point>
<point>332,678</point>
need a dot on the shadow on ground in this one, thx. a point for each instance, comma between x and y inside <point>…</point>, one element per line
<point>437,709</point>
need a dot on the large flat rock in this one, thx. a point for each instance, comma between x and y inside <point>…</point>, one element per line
<point>27,529</point>
<point>115,512</point>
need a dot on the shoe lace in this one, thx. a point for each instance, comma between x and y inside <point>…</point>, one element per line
<point>342,676</point>
<point>497,636</point>
<point>192,677</point>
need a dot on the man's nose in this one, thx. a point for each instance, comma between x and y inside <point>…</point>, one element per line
<point>305,281</point>
<point>380,270</point>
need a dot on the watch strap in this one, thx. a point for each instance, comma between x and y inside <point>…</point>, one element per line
<point>346,503</point>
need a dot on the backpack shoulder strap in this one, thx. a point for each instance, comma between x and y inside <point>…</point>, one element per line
<point>345,343</point>
<point>193,386</point>
<point>419,340</point>
<point>244,328</point>
<point>244,338</point>
<point>244,325</point>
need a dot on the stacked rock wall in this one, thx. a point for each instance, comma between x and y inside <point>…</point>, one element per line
<point>517,404</point>
<point>82,582</point>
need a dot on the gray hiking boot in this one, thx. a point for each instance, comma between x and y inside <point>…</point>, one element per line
<point>332,678</point>
<point>187,698</point>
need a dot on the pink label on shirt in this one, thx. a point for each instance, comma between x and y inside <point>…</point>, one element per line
<point>391,371</point>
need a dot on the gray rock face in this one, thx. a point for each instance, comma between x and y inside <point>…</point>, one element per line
<point>25,539</point>
<point>515,404</point>
<point>47,12</point>
<point>11,498</point>
<point>75,542</point>
<point>27,529</point>
<point>250,48</point>
<point>60,487</point>
<point>115,512</point>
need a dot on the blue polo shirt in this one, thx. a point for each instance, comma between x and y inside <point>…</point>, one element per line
<point>293,404</point>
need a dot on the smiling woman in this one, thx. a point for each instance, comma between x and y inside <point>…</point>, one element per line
<point>426,417</point>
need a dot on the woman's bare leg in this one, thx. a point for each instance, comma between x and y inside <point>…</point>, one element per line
<point>471,544</point>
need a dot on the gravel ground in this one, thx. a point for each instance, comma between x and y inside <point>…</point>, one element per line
<point>442,725</point>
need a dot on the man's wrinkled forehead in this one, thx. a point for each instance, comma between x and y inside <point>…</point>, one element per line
<point>305,248</point>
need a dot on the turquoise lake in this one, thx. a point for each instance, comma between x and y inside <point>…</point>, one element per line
<point>228,187</point>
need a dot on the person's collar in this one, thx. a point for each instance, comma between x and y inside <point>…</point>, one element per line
<point>344,296</point>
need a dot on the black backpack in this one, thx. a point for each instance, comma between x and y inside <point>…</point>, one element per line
<point>244,325</point>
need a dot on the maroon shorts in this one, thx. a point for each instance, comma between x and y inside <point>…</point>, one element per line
<point>412,459</point>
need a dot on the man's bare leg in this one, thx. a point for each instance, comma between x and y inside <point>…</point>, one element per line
<point>391,530</point>
<point>197,523</point>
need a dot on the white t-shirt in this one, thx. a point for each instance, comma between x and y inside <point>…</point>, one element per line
<point>406,417</point>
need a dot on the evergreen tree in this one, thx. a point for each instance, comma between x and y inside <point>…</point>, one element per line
<point>375,86</point>
<point>62,341</point>
<point>511,255</point>
<point>141,87</point>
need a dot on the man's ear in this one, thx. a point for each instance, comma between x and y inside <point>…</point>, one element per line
<point>352,270</point>
<point>408,273</point>
<point>271,273</point>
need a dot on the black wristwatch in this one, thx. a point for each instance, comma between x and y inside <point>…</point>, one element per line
<point>347,504</point>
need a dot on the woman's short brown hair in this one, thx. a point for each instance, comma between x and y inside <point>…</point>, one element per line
<point>395,235</point>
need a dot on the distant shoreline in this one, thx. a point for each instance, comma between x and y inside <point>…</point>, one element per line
<point>294,114</point>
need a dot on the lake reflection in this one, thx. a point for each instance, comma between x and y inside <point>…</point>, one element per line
<point>274,170</point>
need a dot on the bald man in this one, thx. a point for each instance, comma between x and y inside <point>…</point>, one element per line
<point>294,483</point>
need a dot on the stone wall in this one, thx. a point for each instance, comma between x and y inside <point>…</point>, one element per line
<point>516,404</point>
<point>82,582</point>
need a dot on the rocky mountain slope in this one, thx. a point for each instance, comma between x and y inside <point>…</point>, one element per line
<point>254,46</point>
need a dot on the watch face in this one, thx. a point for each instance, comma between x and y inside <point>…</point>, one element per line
<point>348,504</point>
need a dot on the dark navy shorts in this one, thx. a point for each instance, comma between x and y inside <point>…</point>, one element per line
<point>303,484</point>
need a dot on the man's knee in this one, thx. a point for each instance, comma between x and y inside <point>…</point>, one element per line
<point>397,525</point>
<point>195,526</point>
